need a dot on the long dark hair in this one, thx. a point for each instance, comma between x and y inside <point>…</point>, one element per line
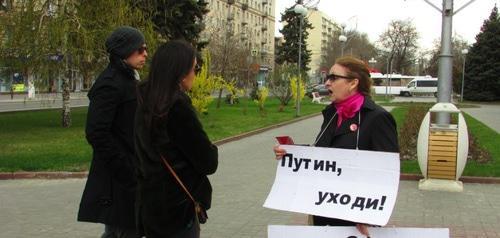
<point>171,62</point>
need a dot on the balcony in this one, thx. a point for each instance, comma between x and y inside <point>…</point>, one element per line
<point>264,28</point>
<point>264,2</point>
<point>244,22</point>
<point>244,5</point>
<point>263,40</point>
<point>230,2</point>
<point>244,36</point>
<point>263,51</point>
<point>230,17</point>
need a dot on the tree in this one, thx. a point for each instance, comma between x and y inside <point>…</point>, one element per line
<point>289,50</point>
<point>279,83</point>
<point>47,39</point>
<point>357,45</point>
<point>482,69</point>
<point>204,85</point>
<point>458,44</point>
<point>229,55</point>
<point>399,45</point>
<point>175,19</point>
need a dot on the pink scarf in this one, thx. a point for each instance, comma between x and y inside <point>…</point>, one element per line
<point>348,108</point>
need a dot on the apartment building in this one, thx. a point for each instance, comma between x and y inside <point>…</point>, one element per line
<point>319,39</point>
<point>250,21</point>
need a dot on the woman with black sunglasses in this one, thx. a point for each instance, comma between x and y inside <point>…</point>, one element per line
<point>168,135</point>
<point>352,120</point>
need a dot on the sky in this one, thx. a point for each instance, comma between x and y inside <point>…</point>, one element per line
<point>373,16</point>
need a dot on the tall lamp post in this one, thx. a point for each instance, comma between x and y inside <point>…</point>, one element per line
<point>342,39</point>
<point>302,11</point>
<point>464,54</point>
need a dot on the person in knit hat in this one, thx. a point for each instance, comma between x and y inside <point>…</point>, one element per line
<point>109,194</point>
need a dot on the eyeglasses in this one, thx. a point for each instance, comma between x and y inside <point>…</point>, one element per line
<point>142,49</point>
<point>334,77</point>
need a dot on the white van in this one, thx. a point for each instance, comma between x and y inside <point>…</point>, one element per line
<point>421,86</point>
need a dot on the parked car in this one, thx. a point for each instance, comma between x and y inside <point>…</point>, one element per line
<point>420,86</point>
<point>320,88</point>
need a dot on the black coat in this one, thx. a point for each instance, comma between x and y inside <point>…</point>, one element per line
<point>109,194</point>
<point>377,133</point>
<point>163,208</point>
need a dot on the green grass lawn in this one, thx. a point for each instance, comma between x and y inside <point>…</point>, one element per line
<point>35,141</point>
<point>486,136</point>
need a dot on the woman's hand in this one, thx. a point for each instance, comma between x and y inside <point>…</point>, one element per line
<point>363,229</point>
<point>279,152</point>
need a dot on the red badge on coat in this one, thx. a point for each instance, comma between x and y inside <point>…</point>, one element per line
<point>353,127</point>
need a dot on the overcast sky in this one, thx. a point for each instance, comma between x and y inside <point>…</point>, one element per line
<point>373,16</point>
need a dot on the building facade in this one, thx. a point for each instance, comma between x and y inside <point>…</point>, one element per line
<point>251,22</point>
<point>320,36</point>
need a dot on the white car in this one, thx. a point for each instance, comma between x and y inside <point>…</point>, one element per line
<point>421,86</point>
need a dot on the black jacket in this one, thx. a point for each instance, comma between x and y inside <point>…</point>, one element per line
<point>377,133</point>
<point>163,208</point>
<point>109,194</point>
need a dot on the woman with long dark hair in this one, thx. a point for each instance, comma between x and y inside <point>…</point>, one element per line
<point>169,134</point>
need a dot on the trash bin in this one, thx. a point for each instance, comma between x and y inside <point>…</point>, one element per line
<point>442,149</point>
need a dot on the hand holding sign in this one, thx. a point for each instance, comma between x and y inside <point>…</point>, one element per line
<point>355,185</point>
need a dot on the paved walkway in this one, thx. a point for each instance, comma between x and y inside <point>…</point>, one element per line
<point>21,102</point>
<point>47,208</point>
<point>488,114</point>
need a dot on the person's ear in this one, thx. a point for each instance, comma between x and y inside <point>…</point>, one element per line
<point>354,84</point>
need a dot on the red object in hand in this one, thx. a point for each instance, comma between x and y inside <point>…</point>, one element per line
<point>285,140</point>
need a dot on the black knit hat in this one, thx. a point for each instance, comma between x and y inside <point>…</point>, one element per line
<point>123,41</point>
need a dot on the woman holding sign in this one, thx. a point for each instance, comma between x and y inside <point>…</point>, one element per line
<point>352,120</point>
<point>174,154</point>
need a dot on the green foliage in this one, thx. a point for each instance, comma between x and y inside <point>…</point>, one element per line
<point>204,85</point>
<point>289,50</point>
<point>279,83</point>
<point>262,94</point>
<point>34,141</point>
<point>175,19</point>
<point>39,31</point>
<point>483,142</point>
<point>301,92</point>
<point>482,69</point>
<point>408,132</point>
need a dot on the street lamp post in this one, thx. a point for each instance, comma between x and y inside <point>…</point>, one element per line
<point>342,39</point>
<point>302,11</point>
<point>388,81</point>
<point>464,54</point>
<point>417,67</point>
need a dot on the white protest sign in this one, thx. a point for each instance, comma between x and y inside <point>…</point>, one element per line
<point>352,232</point>
<point>354,185</point>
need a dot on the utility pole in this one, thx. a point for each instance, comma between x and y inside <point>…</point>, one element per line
<point>446,56</point>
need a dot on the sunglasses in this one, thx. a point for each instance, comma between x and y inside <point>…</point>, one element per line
<point>142,49</point>
<point>334,77</point>
<point>197,69</point>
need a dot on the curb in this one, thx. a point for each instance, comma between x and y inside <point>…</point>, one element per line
<point>42,175</point>
<point>68,175</point>
<point>79,175</point>
<point>464,179</point>
<point>264,129</point>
